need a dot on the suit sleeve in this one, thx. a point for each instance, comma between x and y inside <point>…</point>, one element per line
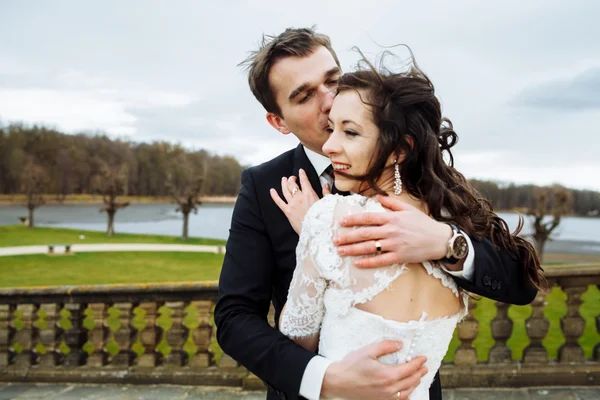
<point>497,276</point>
<point>245,288</point>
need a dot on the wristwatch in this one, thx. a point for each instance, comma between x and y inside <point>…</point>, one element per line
<point>457,247</point>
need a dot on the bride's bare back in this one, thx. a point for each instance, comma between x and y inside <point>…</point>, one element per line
<point>417,291</point>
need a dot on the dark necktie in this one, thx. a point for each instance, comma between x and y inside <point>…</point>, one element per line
<point>334,190</point>
<point>329,172</point>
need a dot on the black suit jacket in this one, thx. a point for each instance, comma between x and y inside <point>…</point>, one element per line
<point>258,268</point>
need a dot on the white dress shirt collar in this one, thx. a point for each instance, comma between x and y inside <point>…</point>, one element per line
<point>318,161</point>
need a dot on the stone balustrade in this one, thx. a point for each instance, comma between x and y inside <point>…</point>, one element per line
<point>164,333</point>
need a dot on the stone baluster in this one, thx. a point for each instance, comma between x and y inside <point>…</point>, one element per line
<point>6,334</point>
<point>76,336</point>
<point>150,336</point>
<point>50,336</point>
<point>502,327</point>
<point>177,335</point>
<point>98,335</point>
<point>537,328</point>
<point>124,336</point>
<point>202,335</point>
<point>467,332</point>
<point>27,336</point>
<point>227,362</point>
<point>572,326</point>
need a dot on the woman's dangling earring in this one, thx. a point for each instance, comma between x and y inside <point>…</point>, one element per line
<point>397,180</point>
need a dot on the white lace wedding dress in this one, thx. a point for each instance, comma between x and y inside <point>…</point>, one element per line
<point>326,287</point>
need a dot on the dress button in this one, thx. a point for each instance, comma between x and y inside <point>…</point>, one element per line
<point>494,285</point>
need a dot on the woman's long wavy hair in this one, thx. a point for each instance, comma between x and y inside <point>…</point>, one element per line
<point>410,122</point>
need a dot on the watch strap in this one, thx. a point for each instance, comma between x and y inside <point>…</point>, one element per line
<point>449,259</point>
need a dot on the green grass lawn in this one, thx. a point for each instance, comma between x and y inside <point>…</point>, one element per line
<point>117,267</point>
<point>19,235</point>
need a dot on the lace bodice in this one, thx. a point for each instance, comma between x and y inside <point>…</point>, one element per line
<point>326,287</point>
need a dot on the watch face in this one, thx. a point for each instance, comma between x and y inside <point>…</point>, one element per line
<point>460,248</point>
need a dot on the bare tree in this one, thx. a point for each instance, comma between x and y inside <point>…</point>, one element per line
<point>112,182</point>
<point>555,201</point>
<point>64,172</point>
<point>34,180</point>
<point>185,184</point>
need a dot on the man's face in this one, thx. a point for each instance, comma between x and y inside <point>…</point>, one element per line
<point>304,89</point>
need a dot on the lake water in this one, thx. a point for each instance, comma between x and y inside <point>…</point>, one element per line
<point>213,221</point>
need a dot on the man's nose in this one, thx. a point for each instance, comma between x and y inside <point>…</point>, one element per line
<point>327,95</point>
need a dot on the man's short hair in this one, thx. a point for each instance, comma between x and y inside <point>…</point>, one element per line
<point>293,42</point>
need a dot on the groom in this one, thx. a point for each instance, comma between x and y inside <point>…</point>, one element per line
<point>294,76</point>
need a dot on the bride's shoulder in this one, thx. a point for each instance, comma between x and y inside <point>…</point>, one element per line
<point>337,204</point>
<point>325,205</point>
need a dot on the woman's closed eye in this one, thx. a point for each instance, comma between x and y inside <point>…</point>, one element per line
<point>351,133</point>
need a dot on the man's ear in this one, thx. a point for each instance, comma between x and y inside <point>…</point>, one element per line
<point>278,123</point>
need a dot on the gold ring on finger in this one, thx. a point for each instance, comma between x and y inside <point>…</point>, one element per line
<point>294,191</point>
<point>399,394</point>
<point>378,248</point>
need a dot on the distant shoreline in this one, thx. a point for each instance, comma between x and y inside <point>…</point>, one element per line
<point>86,199</point>
<point>17,199</point>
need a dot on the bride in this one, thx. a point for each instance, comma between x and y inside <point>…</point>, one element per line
<point>387,138</point>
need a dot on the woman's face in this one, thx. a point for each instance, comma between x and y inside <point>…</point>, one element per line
<point>352,139</point>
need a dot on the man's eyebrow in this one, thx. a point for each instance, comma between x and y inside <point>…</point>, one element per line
<point>332,71</point>
<point>298,90</point>
<point>306,85</point>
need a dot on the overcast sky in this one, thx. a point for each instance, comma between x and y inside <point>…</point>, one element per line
<point>520,80</point>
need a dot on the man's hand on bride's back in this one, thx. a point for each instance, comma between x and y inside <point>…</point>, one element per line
<point>406,235</point>
<point>362,376</point>
<point>297,201</point>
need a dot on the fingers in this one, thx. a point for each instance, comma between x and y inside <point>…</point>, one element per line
<point>280,203</point>
<point>292,182</point>
<point>382,348</point>
<point>408,382</point>
<point>408,369</point>
<point>363,248</point>
<point>393,203</point>
<point>405,394</point>
<point>381,260</point>
<point>360,235</point>
<point>363,219</point>
<point>285,189</point>
<point>304,182</point>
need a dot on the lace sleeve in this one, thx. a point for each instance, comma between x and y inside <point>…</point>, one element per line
<point>304,309</point>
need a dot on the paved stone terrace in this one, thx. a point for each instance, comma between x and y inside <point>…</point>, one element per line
<point>30,391</point>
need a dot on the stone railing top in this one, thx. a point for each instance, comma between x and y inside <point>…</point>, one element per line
<point>116,292</point>
<point>159,291</point>
<point>572,270</point>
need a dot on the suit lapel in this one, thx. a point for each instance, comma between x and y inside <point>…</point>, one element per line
<point>302,161</point>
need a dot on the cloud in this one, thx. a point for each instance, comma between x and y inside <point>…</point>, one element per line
<point>67,110</point>
<point>576,93</point>
<point>510,74</point>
